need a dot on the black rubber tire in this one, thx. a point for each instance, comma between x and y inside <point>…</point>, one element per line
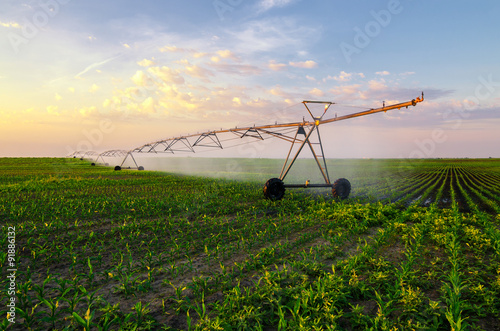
<point>92,164</point>
<point>118,168</point>
<point>341,188</point>
<point>274,189</point>
<point>140,168</point>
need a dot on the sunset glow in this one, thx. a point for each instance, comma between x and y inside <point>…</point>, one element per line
<point>151,70</point>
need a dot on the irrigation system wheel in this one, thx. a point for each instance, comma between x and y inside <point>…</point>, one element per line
<point>341,188</point>
<point>274,189</point>
<point>118,168</point>
<point>140,168</point>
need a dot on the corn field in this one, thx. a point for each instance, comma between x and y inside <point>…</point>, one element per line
<point>415,247</point>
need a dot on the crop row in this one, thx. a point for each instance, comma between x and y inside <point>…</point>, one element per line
<point>172,252</point>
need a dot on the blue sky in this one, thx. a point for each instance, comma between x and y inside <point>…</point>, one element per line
<point>115,75</point>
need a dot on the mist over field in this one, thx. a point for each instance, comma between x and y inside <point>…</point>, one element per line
<point>258,170</point>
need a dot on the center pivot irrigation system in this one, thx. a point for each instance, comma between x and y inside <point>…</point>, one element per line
<point>297,133</point>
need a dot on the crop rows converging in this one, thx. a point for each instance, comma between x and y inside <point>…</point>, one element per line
<point>442,184</point>
<point>416,247</point>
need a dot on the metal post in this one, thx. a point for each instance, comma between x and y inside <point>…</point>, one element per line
<point>137,166</point>
<point>129,153</point>
<point>289,152</point>
<point>282,176</point>
<point>324,170</point>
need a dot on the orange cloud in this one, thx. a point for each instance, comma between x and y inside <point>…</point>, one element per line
<point>94,88</point>
<point>273,65</point>
<point>305,64</point>
<point>316,92</point>
<point>197,71</point>
<point>346,90</point>
<point>11,25</point>
<point>167,75</point>
<point>146,63</point>
<point>53,110</point>
<point>227,54</point>
<point>376,85</point>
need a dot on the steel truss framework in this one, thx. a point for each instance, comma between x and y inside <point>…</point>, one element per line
<point>110,153</point>
<point>83,154</point>
<point>297,133</point>
<point>301,134</point>
<point>289,132</point>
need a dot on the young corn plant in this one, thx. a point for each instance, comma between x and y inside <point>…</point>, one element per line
<point>107,321</point>
<point>140,313</point>
<point>454,288</point>
<point>85,321</point>
<point>29,315</point>
<point>53,310</point>
<point>73,301</point>
<point>128,285</point>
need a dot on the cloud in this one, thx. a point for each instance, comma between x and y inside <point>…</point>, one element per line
<point>199,54</point>
<point>171,49</point>
<point>235,69</point>
<point>269,35</point>
<point>57,97</point>
<point>10,25</point>
<point>95,65</point>
<point>53,110</point>
<point>383,73</point>
<point>237,101</point>
<point>199,72</point>
<point>278,91</point>
<point>346,90</point>
<point>148,106</point>
<point>146,63</point>
<point>265,5</point>
<point>377,85</point>
<point>316,92</point>
<point>227,54</point>
<point>140,78</point>
<point>305,64</point>
<point>167,75</point>
<point>344,76</point>
<point>275,66</point>
<point>175,49</point>
<point>94,88</point>
<point>88,111</point>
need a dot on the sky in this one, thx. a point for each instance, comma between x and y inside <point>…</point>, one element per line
<point>103,75</point>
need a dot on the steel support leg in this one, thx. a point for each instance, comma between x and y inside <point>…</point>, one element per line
<point>323,170</point>
<point>133,159</point>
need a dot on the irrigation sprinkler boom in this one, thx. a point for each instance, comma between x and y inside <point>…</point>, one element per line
<point>301,133</point>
